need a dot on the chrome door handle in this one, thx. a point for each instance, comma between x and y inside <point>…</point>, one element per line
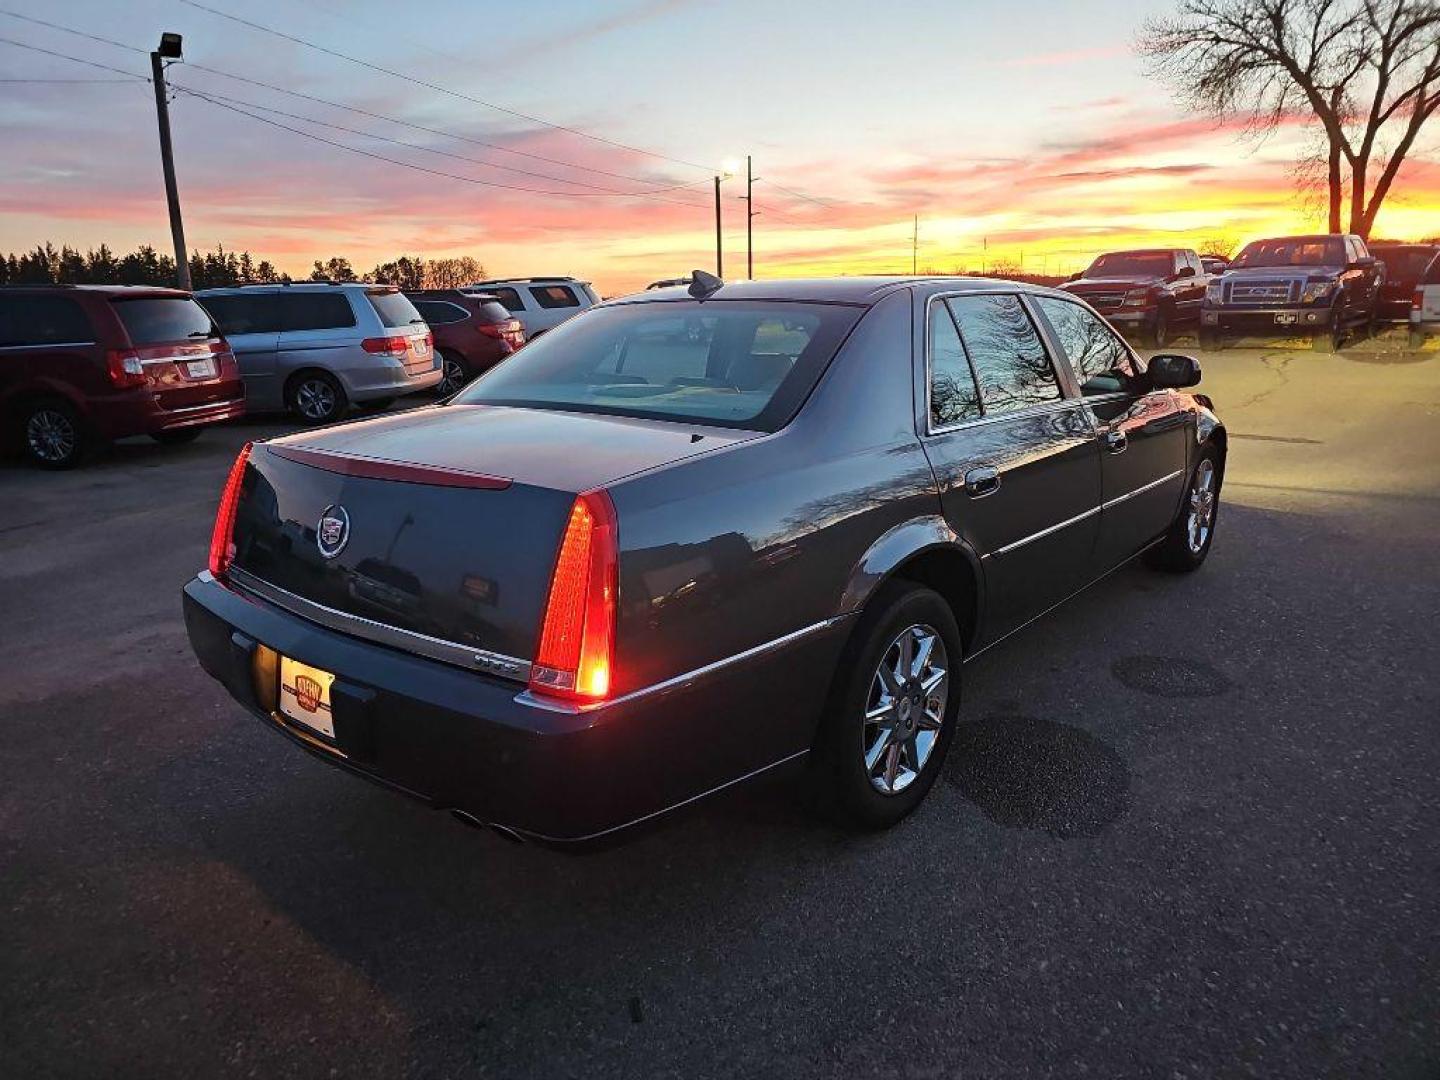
<point>981,481</point>
<point>1116,441</point>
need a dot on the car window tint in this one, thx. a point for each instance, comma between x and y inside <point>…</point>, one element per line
<point>494,311</point>
<point>553,296</point>
<point>1101,361</point>
<point>510,298</point>
<point>43,320</point>
<point>953,395</point>
<point>439,312</point>
<point>395,309</point>
<point>1005,350</point>
<point>254,313</point>
<point>316,311</point>
<point>156,320</point>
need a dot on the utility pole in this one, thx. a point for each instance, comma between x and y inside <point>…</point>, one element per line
<point>169,50</point>
<point>915,247</point>
<point>750,179</point>
<point>719,256</point>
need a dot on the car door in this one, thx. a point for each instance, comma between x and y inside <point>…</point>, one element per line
<point>1189,289</point>
<point>318,330</point>
<point>251,324</point>
<point>1013,450</point>
<point>1368,278</point>
<point>1142,431</point>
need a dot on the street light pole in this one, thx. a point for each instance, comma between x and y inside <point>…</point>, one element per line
<point>719,257</point>
<point>749,221</point>
<point>169,50</point>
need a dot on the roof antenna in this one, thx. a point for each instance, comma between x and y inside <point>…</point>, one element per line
<point>703,285</point>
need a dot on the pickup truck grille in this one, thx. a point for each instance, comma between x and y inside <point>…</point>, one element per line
<point>1105,301</point>
<point>1277,291</point>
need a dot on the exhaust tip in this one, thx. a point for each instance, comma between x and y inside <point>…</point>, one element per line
<point>502,831</point>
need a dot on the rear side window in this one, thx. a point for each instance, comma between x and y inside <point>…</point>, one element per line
<point>157,320</point>
<point>253,313</point>
<point>510,298</point>
<point>1101,361</point>
<point>395,309</point>
<point>553,296</point>
<point>43,320</point>
<point>1006,353</point>
<point>316,311</point>
<point>953,394</point>
<point>440,312</point>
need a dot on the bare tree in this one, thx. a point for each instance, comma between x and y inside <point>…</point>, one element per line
<point>1366,71</point>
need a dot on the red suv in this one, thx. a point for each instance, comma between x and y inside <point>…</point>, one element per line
<point>473,331</point>
<point>87,363</point>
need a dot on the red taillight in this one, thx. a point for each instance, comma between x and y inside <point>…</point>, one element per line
<point>429,337</point>
<point>125,368</point>
<point>495,330</point>
<point>222,540</point>
<point>577,642</point>
<point>394,346</point>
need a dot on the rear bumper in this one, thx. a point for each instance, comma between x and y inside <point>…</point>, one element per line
<point>1276,320</point>
<point>462,740</point>
<point>142,415</point>
<point>388,380</point>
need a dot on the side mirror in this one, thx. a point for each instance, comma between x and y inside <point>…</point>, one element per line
<point>1364,263</point>
<point>1173,371</point>
<point>1184,272</point>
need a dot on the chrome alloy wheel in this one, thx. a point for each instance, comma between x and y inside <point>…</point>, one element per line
<point>315,398</point>
<point>1201,517</point>
<point>905,708</point>
<point>51,435</point>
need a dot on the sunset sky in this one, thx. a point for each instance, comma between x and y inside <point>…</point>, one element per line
<point>1011,130</point>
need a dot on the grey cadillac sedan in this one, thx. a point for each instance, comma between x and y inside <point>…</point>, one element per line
<point>691,536</point>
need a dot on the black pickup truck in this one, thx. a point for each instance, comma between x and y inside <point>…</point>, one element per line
<point>1151,293</point>
<point>1323,286</point>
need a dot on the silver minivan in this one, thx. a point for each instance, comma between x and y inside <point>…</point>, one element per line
<point>315,348</point>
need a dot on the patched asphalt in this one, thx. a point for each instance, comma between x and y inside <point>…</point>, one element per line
<point>1189,830</point>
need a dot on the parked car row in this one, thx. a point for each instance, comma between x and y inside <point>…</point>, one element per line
<point>87,364</point>
<point>1325,286</point>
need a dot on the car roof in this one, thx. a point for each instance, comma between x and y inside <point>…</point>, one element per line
<point>839,290</point>
<point>524,281</point>
<point>122,290</point>
<point>294,286</point>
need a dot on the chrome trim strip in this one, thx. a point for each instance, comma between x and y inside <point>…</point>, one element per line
<point>449,652</point>
<point>50,345</point>
<point>654,814</point>
<point>1046,532</point>
<point>678,681</point>
<point>203,406</point>
<point>1141,490</point>
<point>179,358</point>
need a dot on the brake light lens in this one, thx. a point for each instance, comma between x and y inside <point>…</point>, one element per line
<point>495,330</point>
<point>125,368</point>
<point>387,346</point>
<point>576,656</point>
<point>222,540</point>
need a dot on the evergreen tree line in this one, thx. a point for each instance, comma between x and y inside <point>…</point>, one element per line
<point>47,265</point>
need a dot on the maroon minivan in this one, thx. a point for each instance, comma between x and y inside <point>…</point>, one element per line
<point>81,364</point>
<point>473,332</point>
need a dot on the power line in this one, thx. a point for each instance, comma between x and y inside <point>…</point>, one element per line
<point>348,108</point>
<point>82,82</point>
<point>76,59</point>
<point>597,191</point>
<point>800,195</point>
<point>382,157</point>
<point>442,89</point>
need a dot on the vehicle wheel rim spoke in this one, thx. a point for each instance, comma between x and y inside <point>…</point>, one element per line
<point>905,709</point>
<point>1202,507</point>
<point>50,435</point>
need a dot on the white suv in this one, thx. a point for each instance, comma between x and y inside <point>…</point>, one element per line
<point>315,348</point>
<point>541,303</point>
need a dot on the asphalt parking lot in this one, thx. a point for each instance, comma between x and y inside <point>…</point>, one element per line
<point>1189,829</point>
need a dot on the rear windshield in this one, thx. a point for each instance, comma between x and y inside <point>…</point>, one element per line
<point>731,363</point>
<point>158,320</point>
<point>1133,264</point>
<point>492,311</point>
<point>395,309</point>
<point>1300,251</point>
<point>1405,264</point>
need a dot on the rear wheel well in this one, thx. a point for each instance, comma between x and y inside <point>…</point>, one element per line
<point>950,574</point>
<point>15,408</point>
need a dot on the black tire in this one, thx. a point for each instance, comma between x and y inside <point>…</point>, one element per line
<point>1328,340</point>
<point>1158,336</point>
<point>52,435</point>
<point>457,373</point>
<point>847,788</point>
<point>178,437</point>
<point>315,397</point>
<point>1178,553</point>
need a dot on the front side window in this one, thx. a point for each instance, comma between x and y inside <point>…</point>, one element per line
<point>316,311</point>
<point>43,320</point>
<point>953,394</point>
<point>746,364</point>
<point>554,296</point>
<point>1005,351</point>
<point>1101,361</point>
